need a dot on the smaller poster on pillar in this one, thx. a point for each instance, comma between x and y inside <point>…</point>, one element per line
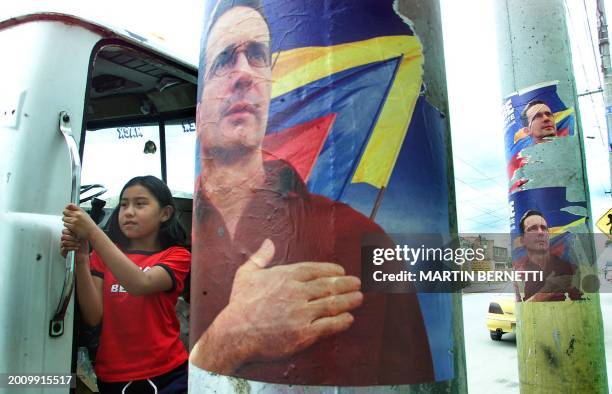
<point>313,135</point>
<point>548,206</point>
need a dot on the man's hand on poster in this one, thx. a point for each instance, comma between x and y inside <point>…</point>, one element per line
<point>554,289</point>
<point>275,312</point>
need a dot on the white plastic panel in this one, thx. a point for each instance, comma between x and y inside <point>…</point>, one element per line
<point>45,73</point>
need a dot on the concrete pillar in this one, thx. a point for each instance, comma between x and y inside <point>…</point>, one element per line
<point>318,42</point>
<point>560,343</point>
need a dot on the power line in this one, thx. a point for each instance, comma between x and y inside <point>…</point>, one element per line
<point>595,59</point>
<point>487,211</point>
<point>495,180</point>
<point>480,180</point>
<point>485,223</point>
<point>484,214</point>
<point>582,65</point>
<point>590,35</point>
<point>497,203</point>
<point>473,188</point>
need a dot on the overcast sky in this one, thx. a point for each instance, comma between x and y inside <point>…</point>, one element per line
<point>477,130</point>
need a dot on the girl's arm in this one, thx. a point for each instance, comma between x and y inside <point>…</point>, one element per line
<point>129,275</point>
<point>88,288</point>
<point>89,293</point>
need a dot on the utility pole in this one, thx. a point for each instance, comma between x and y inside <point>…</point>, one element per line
<point>560,343</point>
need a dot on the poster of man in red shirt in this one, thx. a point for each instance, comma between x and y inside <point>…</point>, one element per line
<point>276,291</point>
<point>557,274</point>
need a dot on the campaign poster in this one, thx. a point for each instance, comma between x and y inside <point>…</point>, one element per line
<point>558,321</point>
<point>314,132</point>
<point>546,194</point>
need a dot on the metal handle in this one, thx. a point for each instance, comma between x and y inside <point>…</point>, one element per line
<point>56,325</point>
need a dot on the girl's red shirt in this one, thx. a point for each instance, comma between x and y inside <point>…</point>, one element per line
<point>140,334</point>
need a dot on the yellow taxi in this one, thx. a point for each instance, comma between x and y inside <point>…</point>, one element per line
<point>501,319</point>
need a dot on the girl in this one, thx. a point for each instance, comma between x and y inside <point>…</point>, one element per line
<point>131,282</point>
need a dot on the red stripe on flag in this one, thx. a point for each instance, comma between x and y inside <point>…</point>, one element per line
<point>299,145</point>
<point>564,132</point>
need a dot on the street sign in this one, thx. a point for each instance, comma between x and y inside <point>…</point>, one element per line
<point>605,223</point>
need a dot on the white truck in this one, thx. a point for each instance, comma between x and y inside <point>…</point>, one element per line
<point>75,94</point>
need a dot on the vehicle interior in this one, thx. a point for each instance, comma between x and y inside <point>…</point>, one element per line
<point>139,119</point>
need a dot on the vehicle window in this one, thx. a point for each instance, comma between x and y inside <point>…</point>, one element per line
<point>180,156</point>
<point>113,156</point>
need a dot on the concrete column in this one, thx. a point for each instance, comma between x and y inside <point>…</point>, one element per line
<point>560,343</point>
<point>426,130</point>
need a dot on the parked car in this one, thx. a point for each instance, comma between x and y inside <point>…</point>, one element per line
<point>501,319</point>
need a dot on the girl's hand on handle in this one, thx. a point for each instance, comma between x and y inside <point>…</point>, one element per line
<point>79,223</point>
<point>69,242</point>
<point>79,228</point>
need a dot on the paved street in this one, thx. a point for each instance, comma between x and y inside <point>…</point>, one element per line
<point>492,366</point>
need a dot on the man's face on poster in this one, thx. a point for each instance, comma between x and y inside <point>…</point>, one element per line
<point>233,112</point>
<point>541,121</point>
<point>535,236</point>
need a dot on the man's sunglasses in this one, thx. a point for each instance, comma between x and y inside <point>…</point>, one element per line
<point>257,54</point>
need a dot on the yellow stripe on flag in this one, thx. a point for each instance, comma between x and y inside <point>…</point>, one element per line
<point>522,133</point>
<point>554,231</point>
<point>301,66</point>
<point>559,116</point>
<point>386,140</point>
<point>298,67</point>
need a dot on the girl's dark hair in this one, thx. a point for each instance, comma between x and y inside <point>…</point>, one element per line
<point>171,233</point>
